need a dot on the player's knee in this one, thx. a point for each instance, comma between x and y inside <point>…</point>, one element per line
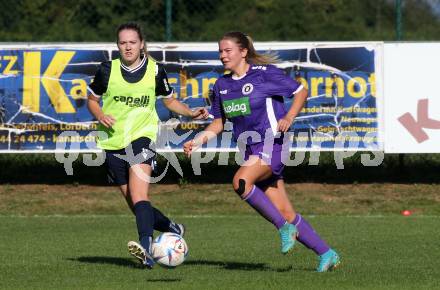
<point>239,185</point>
<point>287,214</point>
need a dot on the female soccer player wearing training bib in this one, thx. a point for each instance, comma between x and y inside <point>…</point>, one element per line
<point>251,97</point>
<point>128,87</point>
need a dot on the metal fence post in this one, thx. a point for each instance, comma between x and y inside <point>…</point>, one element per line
<point>169,22</point>
<point>398,19</point>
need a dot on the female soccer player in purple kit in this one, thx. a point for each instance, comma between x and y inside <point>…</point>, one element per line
<point>251,97</point>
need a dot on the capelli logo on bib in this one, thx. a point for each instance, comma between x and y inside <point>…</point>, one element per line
<point>142,101</point>
<point>237,107</point>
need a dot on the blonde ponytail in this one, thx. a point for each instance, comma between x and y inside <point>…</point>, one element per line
<point>245,42</point>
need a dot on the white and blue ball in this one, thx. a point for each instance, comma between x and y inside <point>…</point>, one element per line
<point>169,250</point>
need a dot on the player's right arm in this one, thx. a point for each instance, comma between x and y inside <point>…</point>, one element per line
<point>213,129</point>
<point>97,88</point>
<point>96,111</point>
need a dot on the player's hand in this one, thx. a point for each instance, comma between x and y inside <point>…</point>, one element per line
<point>107,120</point>
<point>199,113</point>
<point>189,147</point>
<point>284,124</point>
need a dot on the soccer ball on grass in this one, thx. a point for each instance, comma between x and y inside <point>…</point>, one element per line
<point>169,250</point>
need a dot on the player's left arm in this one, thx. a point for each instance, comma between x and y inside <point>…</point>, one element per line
<point>297,105</point>
<point>165,92</point>
<point>176,106</point>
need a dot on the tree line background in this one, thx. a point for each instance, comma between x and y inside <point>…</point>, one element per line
<point>207,20</point>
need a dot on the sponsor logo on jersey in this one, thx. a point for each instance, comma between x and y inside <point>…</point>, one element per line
<point>224,92</point>
<point>237,107</point>
<point>142,101</point>
<point>247,89</point>
<point>262,67</point>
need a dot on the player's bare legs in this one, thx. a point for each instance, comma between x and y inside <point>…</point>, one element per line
<point>278,195</point>
<point>252,171</point>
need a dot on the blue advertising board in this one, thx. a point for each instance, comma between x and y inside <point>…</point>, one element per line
<point>43,95</point>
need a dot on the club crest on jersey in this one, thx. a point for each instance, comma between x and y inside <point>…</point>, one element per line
<point>237,107</point>
<point>247,89</point>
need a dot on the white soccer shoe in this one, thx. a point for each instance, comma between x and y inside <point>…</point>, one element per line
<point>137,251</point>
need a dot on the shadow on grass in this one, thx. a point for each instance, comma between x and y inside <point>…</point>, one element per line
<point>222,264</point>
<point>107,260</point>
<point>238,266</point>
<point>124,262</point>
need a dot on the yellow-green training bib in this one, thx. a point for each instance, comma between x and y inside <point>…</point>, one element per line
<point>133,107</point>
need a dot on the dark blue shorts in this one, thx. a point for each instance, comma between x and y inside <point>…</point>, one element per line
<point>118,162</point>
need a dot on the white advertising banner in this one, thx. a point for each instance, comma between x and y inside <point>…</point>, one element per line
<point>412,97</point>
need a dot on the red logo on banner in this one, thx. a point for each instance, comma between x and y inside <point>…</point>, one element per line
<point>415,127</point>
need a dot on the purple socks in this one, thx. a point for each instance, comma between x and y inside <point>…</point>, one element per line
<point>262,204</point>
<point>306,234</point>
<point>308,237</point>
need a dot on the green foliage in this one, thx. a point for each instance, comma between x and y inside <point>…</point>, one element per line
<point>77,20</point>
<point>197,20</point>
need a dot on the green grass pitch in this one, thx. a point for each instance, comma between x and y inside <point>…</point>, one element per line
<point>225,252</point>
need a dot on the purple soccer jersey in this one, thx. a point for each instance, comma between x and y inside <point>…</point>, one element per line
<point>253,102</point>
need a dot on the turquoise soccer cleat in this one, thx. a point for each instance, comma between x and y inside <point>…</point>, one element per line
<point>328,261</point>
<point>137,251</point>
<point>288,234</point>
